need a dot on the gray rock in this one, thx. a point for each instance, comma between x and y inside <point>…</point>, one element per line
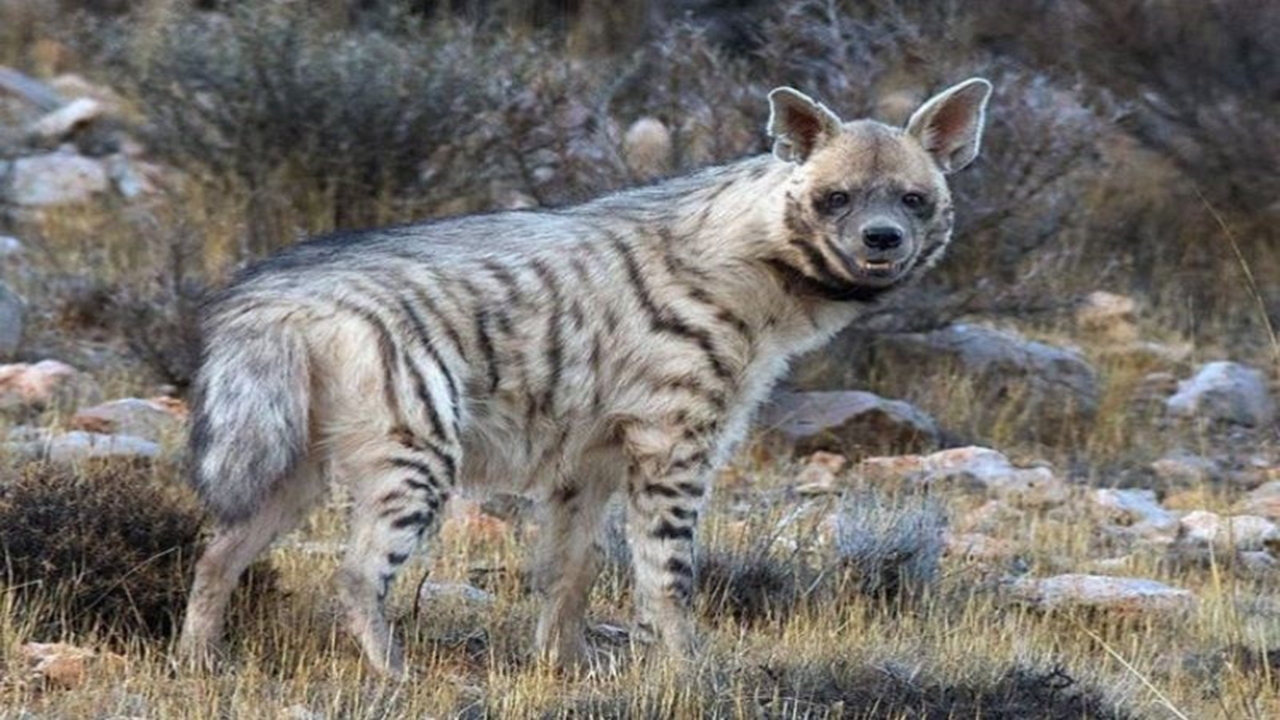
<point>62,122</point>
<point>1229,533</point>
<point>146,419</point>
<point>453,592</point>
<point>1138,512</point>
<point>12,314</point>
<point>847,421</point>
<point>54,179</point>
<point>1100,592</point>
<point>76,446</point>
<point>1048,391</point>
<point>1226,392</point>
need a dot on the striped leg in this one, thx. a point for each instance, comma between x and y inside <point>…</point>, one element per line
<point>569,559</point>
<point>397,501</point>
<point>664,496</point>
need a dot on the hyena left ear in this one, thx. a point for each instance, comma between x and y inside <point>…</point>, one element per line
<point>798,124</point>
<point>949,125</point>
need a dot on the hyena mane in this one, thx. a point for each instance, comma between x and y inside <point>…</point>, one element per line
<point>617,347</point>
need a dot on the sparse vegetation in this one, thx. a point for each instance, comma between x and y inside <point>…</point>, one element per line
<point>1132,147</point>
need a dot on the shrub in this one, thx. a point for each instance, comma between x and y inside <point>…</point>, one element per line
<point>108,547</point>
<point>890,548</point>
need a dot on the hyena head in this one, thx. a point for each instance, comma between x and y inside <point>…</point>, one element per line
<point>868,204</point>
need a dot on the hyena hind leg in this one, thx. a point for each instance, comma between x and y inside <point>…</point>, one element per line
<point>399,490</point>
<point>231,550</point>
<point>569,558</point>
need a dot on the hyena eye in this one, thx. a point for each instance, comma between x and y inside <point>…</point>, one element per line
<point>914,200</point>
<point>835,200</point>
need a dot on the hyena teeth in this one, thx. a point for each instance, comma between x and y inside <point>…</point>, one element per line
<point>620,346</point>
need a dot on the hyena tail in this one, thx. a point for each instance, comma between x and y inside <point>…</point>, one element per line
<point>250,417</point>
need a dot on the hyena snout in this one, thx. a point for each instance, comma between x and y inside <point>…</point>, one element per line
<point>883,237</point>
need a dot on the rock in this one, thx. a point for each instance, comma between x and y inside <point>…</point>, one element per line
<point>976,546</point>
<point>54,179</point>
<point>76,445</point>
<point>1234,532</point>
<point>1258,563</point>
<point>156,419</point>
<point>1046,390</point>
<point>67,119</point>
<point>466,521</point>
<point>818,476</point>
<point>1183,468</point>
<point>67,666</point>
<point>34,385</point>
<point>1263,500</point>
<point>300,712</point>
<point>850,422</point>
<point>132,179</point>
<point>11,248</point>
<point>646,147</point>
<point>1126,596</point>
<point>1107,316</point>
<point>1224,392</point>
<point>454,592</point>
<point>12,315</point>
<point>1138,512</point>
<point>990,471</point>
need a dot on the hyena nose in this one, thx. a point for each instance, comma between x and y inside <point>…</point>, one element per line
<point>882,237</point>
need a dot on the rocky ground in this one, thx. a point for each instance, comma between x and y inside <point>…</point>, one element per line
<point>1096,498</point>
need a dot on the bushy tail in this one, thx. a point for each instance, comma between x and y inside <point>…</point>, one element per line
<point>250,416</point>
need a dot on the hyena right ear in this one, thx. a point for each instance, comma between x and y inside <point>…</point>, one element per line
<point>949,125</point>
<point>798,124</point>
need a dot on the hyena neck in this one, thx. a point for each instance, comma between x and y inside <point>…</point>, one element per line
<point>725,225</point>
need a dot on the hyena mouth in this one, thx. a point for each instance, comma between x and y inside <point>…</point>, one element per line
<point>879,269</point>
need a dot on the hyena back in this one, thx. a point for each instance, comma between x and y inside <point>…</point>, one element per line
<point>619,346</point>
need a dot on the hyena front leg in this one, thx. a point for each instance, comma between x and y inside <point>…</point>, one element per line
<point>231,550</point>
<point>569,560</point>
<point>669,474</point>
<point>399,490</point>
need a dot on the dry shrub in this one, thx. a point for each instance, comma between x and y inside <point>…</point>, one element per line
<point>843,688</point>
<point>106,548</point>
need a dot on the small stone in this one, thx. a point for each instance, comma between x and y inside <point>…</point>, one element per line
<point>1182,468</point>
<point>33,385</point>
<point>646,147</point>
<point>1225,392</point>
<point>67,119</point>
<point>55,179</point>
<point>66,666</point>
<point>1258,562</point>
<point>1108,316</point>
<point>155,419</point>
<point>75,446</point>
<point>1122,595</point>
<point>129,179</point>
<point>1138,512</point>
<point>300,712</point>
<point>446,592</point>
<point>849,422</point>
<point>991,471</point>
<point>1235,532</point>
<point>818,477</point>
<point>1263,500</point>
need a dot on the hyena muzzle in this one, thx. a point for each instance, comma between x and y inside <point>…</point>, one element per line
<point>616,347</point>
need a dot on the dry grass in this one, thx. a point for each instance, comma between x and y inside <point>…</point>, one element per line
<point>961,650</point>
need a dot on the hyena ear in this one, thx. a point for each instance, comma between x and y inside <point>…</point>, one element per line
<point>949,125</point>
<point>798,124</point>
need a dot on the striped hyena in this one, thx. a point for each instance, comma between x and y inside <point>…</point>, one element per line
<point>568,354</point>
